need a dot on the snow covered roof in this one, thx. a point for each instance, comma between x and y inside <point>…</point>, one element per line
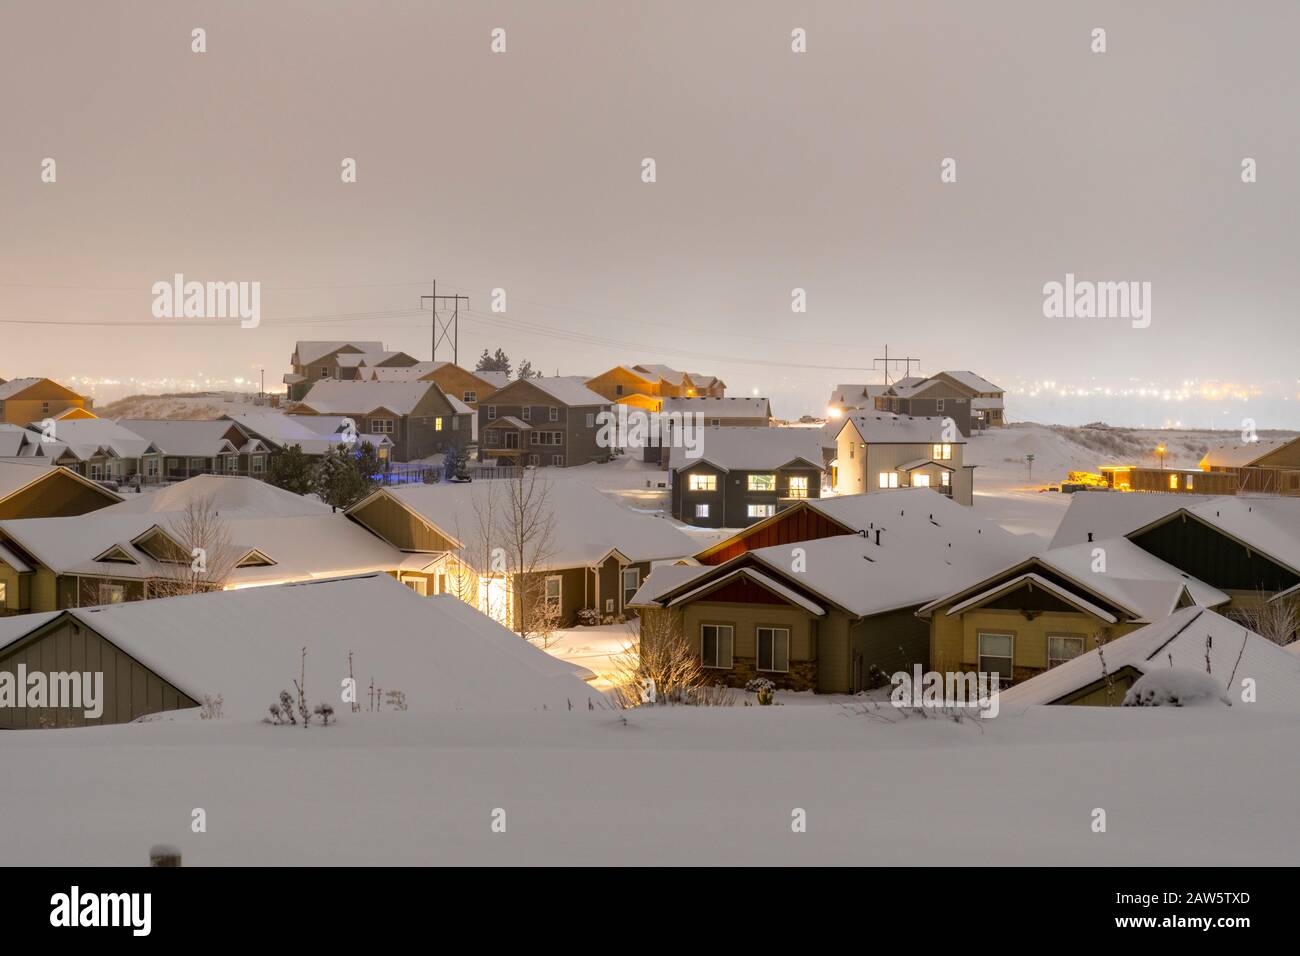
<point>231,496</point>
<point>664,372</point>
<point>881,428</point>
<point>246,646</point>
<point>916,463</point>
<point>664,578</point>
<point>711,407</point>
<point>745,448</point>
<point>310,351</point>
<point>976,383</point>
<point>182,437</point>
<point>1112,514</point>
<point>1182,637</point>
<point>15,562</point>
<point>763,580</point>
<point>84,435</point>
<point>985,404</point>
<point>403,373</point>
<point>1242,455</point>
<point>856,395</point>
<point>1268,525</point>
<point>497,379</point>
<point>587,524</point>
<point>14,440</point>
<point>362,397</point>
<point>569,390</point>
<point>19,474</point>
<point>17,385</point>
<point>1135,581</point>
<point>1033,580</point>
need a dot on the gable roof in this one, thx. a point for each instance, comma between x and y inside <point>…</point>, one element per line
<point>976,383</point>
<point>1242,455</point>
<point>567,390</point>
<point>588,524</point>
<point>84,435</point>
<point>882,428</point>
<point>360,397</point>
<point>1182,637</point>
<point>246,646</point>
<point>662,372</point>
<point>16,476</point>
<point>184,437</point>
<point>15,388</point>
<point>746,448</point>
<point>311,351</point>
<point>231,496</point>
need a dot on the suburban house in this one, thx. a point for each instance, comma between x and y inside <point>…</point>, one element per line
<point>183,448</point>
<point>24,400</point>
<point>16,442</point>
<point>646,386</point>
<point>1245,546</point>
<point>543,421</point>
<point>419,418</point>
<point>314,435</point>
<point>739,475</point>
<point>1187,481</point>
<point>710,412</point>
<point>244,647</point>
<point>456,540</point>
<point>340,361</point>
<point>1184,640</point>
<point>96,448</point>
<point>35,489</point>
<point>1034,614</point>
<point>833,613</point>
<point>143,547</point>
<point>973,402</point>
<point>1259,467</point>
<point>469,387</point>
<point>882,452</point>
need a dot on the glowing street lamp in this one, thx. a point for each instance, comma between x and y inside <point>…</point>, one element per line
<point>1160,451</point>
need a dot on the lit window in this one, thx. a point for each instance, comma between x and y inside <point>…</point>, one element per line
<point>1061,649</point>
<point>1173,482</point>
<point>798,487</point>
<point>4,594</point>
<point>762,483</point>
<point>715,645</point>
<point>761,511</point>
<point>701,511</point>
<point>921,481</point>
<point>631,581</point>
<point>554,591</point>
<point>111,594</point>
<point>773,649</point>
<point>888,479</point>
<point>945,479</point>
<point>1188,483</point>
<point>941,452</point>
<point>437,424</point>
<point>704,482</point>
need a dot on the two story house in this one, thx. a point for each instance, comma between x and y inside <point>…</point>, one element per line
<point>24,400</point>
<point>973,402</point>
<point>314,361</point>
<point>553,421</point>
<point>882,452</point>
<point>419,418</point>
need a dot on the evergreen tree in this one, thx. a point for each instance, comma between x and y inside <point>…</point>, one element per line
<point>337,479</point>
<point>497,362</point>
<point>292,471</point>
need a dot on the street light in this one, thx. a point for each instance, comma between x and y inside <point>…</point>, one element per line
<point>1160,451</point>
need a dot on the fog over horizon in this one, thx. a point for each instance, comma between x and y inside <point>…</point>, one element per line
<point>775,171</point>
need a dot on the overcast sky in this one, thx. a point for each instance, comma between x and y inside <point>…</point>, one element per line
<point>775,170</point>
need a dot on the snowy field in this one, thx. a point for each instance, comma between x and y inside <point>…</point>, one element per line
<point>665,786</point>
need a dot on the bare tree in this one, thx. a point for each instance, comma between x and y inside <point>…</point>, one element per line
<point>528,533</point>
<point>662,667</point>
<point>1277,619</point>
<point>200,556</point>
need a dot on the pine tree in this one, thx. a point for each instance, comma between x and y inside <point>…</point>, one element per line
<point>292,471</point>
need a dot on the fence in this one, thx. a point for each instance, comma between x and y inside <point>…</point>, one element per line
<point>410,473</point>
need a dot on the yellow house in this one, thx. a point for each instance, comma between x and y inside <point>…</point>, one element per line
<point>34,489</point>
<point>1050,608</point>
<point>25,400</point>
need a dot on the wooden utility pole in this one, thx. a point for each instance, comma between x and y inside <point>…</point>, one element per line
<point>445,330</point>
<point>907,361</point>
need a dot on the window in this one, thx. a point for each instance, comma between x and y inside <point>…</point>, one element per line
<point>920,481</point>
<point>232,464</point>
<point>941,452</point>
<point>995,655</point>
<point>324,371</point>
<point>526,413</point>
<point>715,645</point>
<point>469,397</point>
<point>111,594</point>
<point>945,479</point>
<point>938,405</point>
<point>704,482</point>
<point>762,483</point>
<point>490,438</point>
<point>45,408</point>
<point>546,438</point>
<point>701,511</point>
<point>258,464</point>
<point>774,649</point>
<point>437,424</point>
<point>631,581</point>
<point>557,461</point>
<point>554,590</point>
<point>151,467</point>
<point>761,511</point>
<point>4,594</point>
<point>96,471</point>
<point>552,414</point>
<point>889,479</point>
<point>416,584</point>
<point>534,460</point>
<point>1187,485</point>
<point>1173,482</point>
<point>492,412</point>
<point>381,426</point>
<point>591,419</point>
<point>618,389</point>
<point>1062,648</point>
<point>851,447</point>
<point>715,422</point>
<point>196,464</point>
<point>798,487</point>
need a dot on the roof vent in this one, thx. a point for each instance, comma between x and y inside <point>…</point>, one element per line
<point>877,537</point>
<point>1089,536</point>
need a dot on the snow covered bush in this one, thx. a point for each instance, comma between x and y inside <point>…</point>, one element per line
<point>324,711</point>
<point>211,708</point>
<point>588,617</point>
<point>1175,687</point>
<point>764,689</point>
<point>665,660</point>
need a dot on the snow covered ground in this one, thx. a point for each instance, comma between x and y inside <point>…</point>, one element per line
<point>665,786</point>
